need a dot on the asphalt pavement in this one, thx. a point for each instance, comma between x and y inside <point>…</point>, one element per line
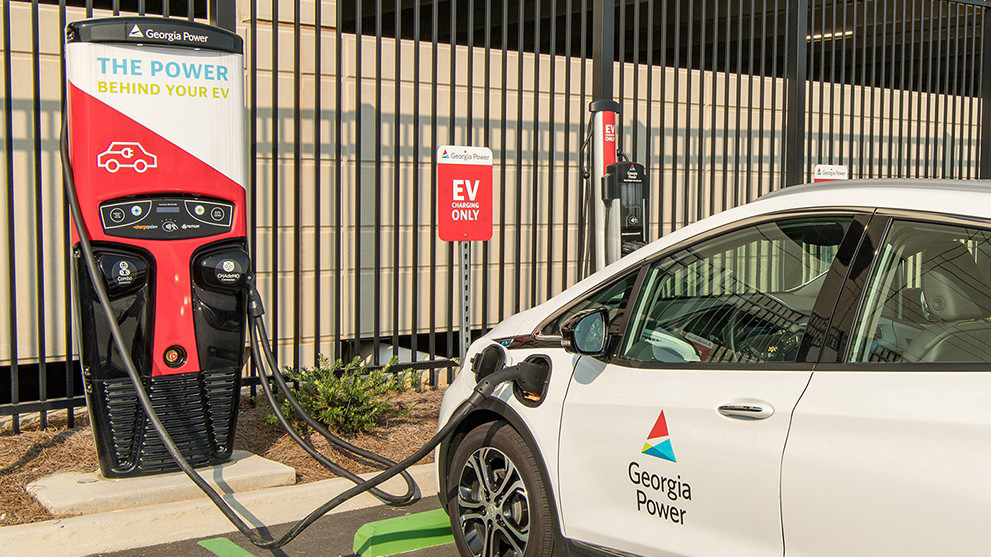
<point>328,537</point>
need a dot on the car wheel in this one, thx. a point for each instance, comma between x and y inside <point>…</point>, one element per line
<point>498,505</point>
<point>112,165</point>
<point>140,166</point>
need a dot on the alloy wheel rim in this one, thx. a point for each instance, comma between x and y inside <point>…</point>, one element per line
<point>493,504</point>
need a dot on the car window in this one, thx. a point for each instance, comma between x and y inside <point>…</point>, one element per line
<point>612,296</point>
<point>929,298</point>
<point>745,296</point>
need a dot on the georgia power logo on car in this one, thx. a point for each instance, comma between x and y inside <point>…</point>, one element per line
<point>649,484</point>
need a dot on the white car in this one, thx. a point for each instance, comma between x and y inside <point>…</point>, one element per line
<point>807,375</point>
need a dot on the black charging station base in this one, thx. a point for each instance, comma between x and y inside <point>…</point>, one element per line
<point>199,410</point>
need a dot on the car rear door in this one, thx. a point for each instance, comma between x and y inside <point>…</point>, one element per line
<point>672,445</point>
<point>888,452</point>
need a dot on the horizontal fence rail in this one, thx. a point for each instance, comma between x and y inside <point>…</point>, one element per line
<point>722,101</point>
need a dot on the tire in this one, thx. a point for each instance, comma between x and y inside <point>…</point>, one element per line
<point>140,166</point>
<point>112,166</point>
<point>501,518</point>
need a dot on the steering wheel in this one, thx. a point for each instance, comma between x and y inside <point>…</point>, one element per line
<point>781,345</point>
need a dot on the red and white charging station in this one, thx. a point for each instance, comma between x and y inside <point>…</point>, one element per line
<point>156,139</point>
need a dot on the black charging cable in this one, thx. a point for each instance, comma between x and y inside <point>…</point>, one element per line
<point>483,389</point>
<point>259,337</point>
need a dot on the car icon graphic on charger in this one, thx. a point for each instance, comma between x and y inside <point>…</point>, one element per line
<point>122,154</point>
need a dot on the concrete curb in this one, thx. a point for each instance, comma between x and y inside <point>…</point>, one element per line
<point>79,536</point>
<point>77,493</point>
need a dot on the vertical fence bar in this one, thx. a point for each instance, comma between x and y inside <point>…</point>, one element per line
<point>317,175</point>
<point>836,38</point>
<point>686,197</point>
<point>774,96</point>
<point>396,189</point>
<point>648,131</point>
<point>760,110</point>
<point>569,20</point>
<point>535,154</point>
<point>11,238</point>
<point>726,104</point>
<point>945,95</point>
<point>635,151</point>
<point>69,362</point>
<point>985,95</point>
<point>415,236</point>
<point>253,167</point>
<point>621,36</point>
<point>583,54</point>
<point>796,71</point>
<point>661,152</point>
<point>812,131</point>
<point>843,85</point>
<point>675,132</point>
<point>377,233</point>
<point>338,180</point>
<point>953,95</point>
<point>518,269</point>
<point>551,131</point>
<point>901,94</point>
<point>487,141</point>
<point>453,119</point>
<point>701,166</point>
<point>738,104</point>
<point>358,108</point>
<point>432,338</point>
<point>39,232</point>
<point>274,199</point>
<point>502,162</point>
<point>297,178</point>
<point>970,69</point>
<point>713,131</point>
<point>466,253</point>
<point>750,105</point>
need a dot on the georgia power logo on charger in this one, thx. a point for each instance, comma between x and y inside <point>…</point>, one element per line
<point>464,193</point>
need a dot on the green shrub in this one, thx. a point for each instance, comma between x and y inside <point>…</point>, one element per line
<point>347,398</point>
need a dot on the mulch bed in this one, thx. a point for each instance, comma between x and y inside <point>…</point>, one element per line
<point>35,453</point>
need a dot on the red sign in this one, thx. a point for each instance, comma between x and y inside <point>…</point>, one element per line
<point>464,193</point>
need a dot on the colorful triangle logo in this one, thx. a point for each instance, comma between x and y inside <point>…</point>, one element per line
<point>658,442</point>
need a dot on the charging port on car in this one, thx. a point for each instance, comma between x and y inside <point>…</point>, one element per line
<point>535,391</point>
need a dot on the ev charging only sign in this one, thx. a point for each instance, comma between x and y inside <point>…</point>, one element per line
<point>464,193</point>
<point>464,212</point>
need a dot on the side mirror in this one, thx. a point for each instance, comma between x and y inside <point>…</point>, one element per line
<point>585,332</point>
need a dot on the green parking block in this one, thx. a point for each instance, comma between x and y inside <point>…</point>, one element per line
<point>403,534</point>
<point>223,547</point>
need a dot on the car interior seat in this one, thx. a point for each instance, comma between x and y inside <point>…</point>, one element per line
<point>957,301</point>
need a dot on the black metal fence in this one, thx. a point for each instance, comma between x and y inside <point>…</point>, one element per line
<point>723,100</point>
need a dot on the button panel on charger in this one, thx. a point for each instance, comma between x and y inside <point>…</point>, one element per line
<point>166,218</point>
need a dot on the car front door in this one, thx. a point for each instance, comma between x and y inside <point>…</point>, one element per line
<point>888,452</point>
<point>671,444</point>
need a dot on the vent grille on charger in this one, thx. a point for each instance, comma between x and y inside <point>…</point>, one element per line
<point>197,409</point>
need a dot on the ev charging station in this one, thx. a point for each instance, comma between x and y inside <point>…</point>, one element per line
<point>614,218</point>
<point>156,135</point>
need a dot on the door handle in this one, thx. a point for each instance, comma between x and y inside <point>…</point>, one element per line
<point>747,410</point>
